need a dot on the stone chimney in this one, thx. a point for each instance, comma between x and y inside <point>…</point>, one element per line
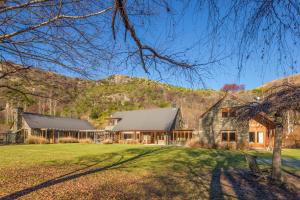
<point>17,115</point>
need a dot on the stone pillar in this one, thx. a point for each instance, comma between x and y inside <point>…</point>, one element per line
<point>17,116</point>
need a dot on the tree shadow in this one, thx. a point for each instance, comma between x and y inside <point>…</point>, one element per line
<point>215,191</point>
<point>246,186</point>
<point>80,172</point>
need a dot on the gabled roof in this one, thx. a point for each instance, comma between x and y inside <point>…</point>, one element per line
<point>260,115</point>
<point>60,123</point>
<point>150,119</point>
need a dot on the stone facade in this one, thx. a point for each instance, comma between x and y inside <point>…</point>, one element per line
<point>212,124</point>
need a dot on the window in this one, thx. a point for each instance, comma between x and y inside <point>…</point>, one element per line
<point>224,137</point>
<point>224,114</point>
<point>128,136</point>
<point>228,136</point>
<point>228,112</point>
<point>260,137</point>
<point>232,136</point>
<point>251,137</point>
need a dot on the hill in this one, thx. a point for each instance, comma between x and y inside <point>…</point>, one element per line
<point>295,79</point>
<point>96,100</point>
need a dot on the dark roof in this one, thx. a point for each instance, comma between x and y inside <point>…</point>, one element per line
<point>60,123</point>
<point>150,119</point>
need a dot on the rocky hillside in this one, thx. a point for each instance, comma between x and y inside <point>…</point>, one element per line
<point>96,100</point>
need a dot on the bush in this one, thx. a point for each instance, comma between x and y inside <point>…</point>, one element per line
<point>128,142</point>
<point>107,141</point>
<point>68,140</point>
<point>197,143</point>
<point>36,140</point>
<point>86,141</point>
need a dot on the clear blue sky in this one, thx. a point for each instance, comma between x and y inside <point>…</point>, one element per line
<point>191,28</point>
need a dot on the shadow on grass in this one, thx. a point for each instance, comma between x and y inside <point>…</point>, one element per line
<point>76,174</point>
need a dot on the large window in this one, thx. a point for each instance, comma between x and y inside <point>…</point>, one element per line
<point>251,137</point>
<point>228,136</point>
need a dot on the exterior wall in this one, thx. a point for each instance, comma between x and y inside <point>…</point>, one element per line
<point>178,123</point>
<point>212,123</point>
<point>256,127</point>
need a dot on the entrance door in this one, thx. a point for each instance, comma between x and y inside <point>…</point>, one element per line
<point>256,138</point>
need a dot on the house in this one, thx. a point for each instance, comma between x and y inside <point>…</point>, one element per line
<point>150,126</point>
<point>219,126</point>
<point>51,128</point>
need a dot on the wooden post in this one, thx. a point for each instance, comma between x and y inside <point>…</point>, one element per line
<point>154,137</point>
<point>53,132</point>
<point>173,139</point>
<point>58,137</point>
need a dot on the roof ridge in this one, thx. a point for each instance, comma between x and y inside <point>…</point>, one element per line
<point>148,109</point>
<point>51,116</point>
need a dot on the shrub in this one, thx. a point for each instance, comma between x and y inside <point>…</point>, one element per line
<point>107,141</point>
<point>36,140</point>
<point>86,141</point>
<point>197,143</point>
<point>128,142</point>
<point>68,140</point>
<point>194,143</point>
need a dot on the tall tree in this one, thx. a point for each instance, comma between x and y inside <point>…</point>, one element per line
<point>278,101</point>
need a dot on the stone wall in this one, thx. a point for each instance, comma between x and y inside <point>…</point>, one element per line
<point>212,123</point>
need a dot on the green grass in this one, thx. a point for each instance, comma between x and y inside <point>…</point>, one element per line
<point>117,171</point>
<point>84,154</point>
<point>156,157</point>
<point>291,159</point>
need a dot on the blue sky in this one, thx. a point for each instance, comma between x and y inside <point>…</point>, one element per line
<point>187,35</point>
<point>192,28</point>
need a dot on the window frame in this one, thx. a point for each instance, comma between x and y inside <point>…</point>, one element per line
<point>254,133</point>
<point>228,112</point>
<point>228,133</point>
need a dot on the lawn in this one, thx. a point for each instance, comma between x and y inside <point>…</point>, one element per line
<point>91,171</point>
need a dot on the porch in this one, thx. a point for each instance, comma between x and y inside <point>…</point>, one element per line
<point>176,137</point>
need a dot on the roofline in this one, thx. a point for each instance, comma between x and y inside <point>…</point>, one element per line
<point>42,115</point>
<point>154,130</point>
<point>221,99</point>
<point>146,109</point>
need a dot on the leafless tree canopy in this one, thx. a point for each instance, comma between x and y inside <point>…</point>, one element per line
<point>81,36</point>
<point>277,102</point>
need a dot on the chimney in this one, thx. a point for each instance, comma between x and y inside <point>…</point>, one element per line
<point>17,115</point>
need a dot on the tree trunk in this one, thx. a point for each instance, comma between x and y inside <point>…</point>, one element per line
<point>276,162</point>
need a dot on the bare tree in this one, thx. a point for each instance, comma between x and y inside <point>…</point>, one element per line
<point>277,102</point>
<point>80,36</point>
